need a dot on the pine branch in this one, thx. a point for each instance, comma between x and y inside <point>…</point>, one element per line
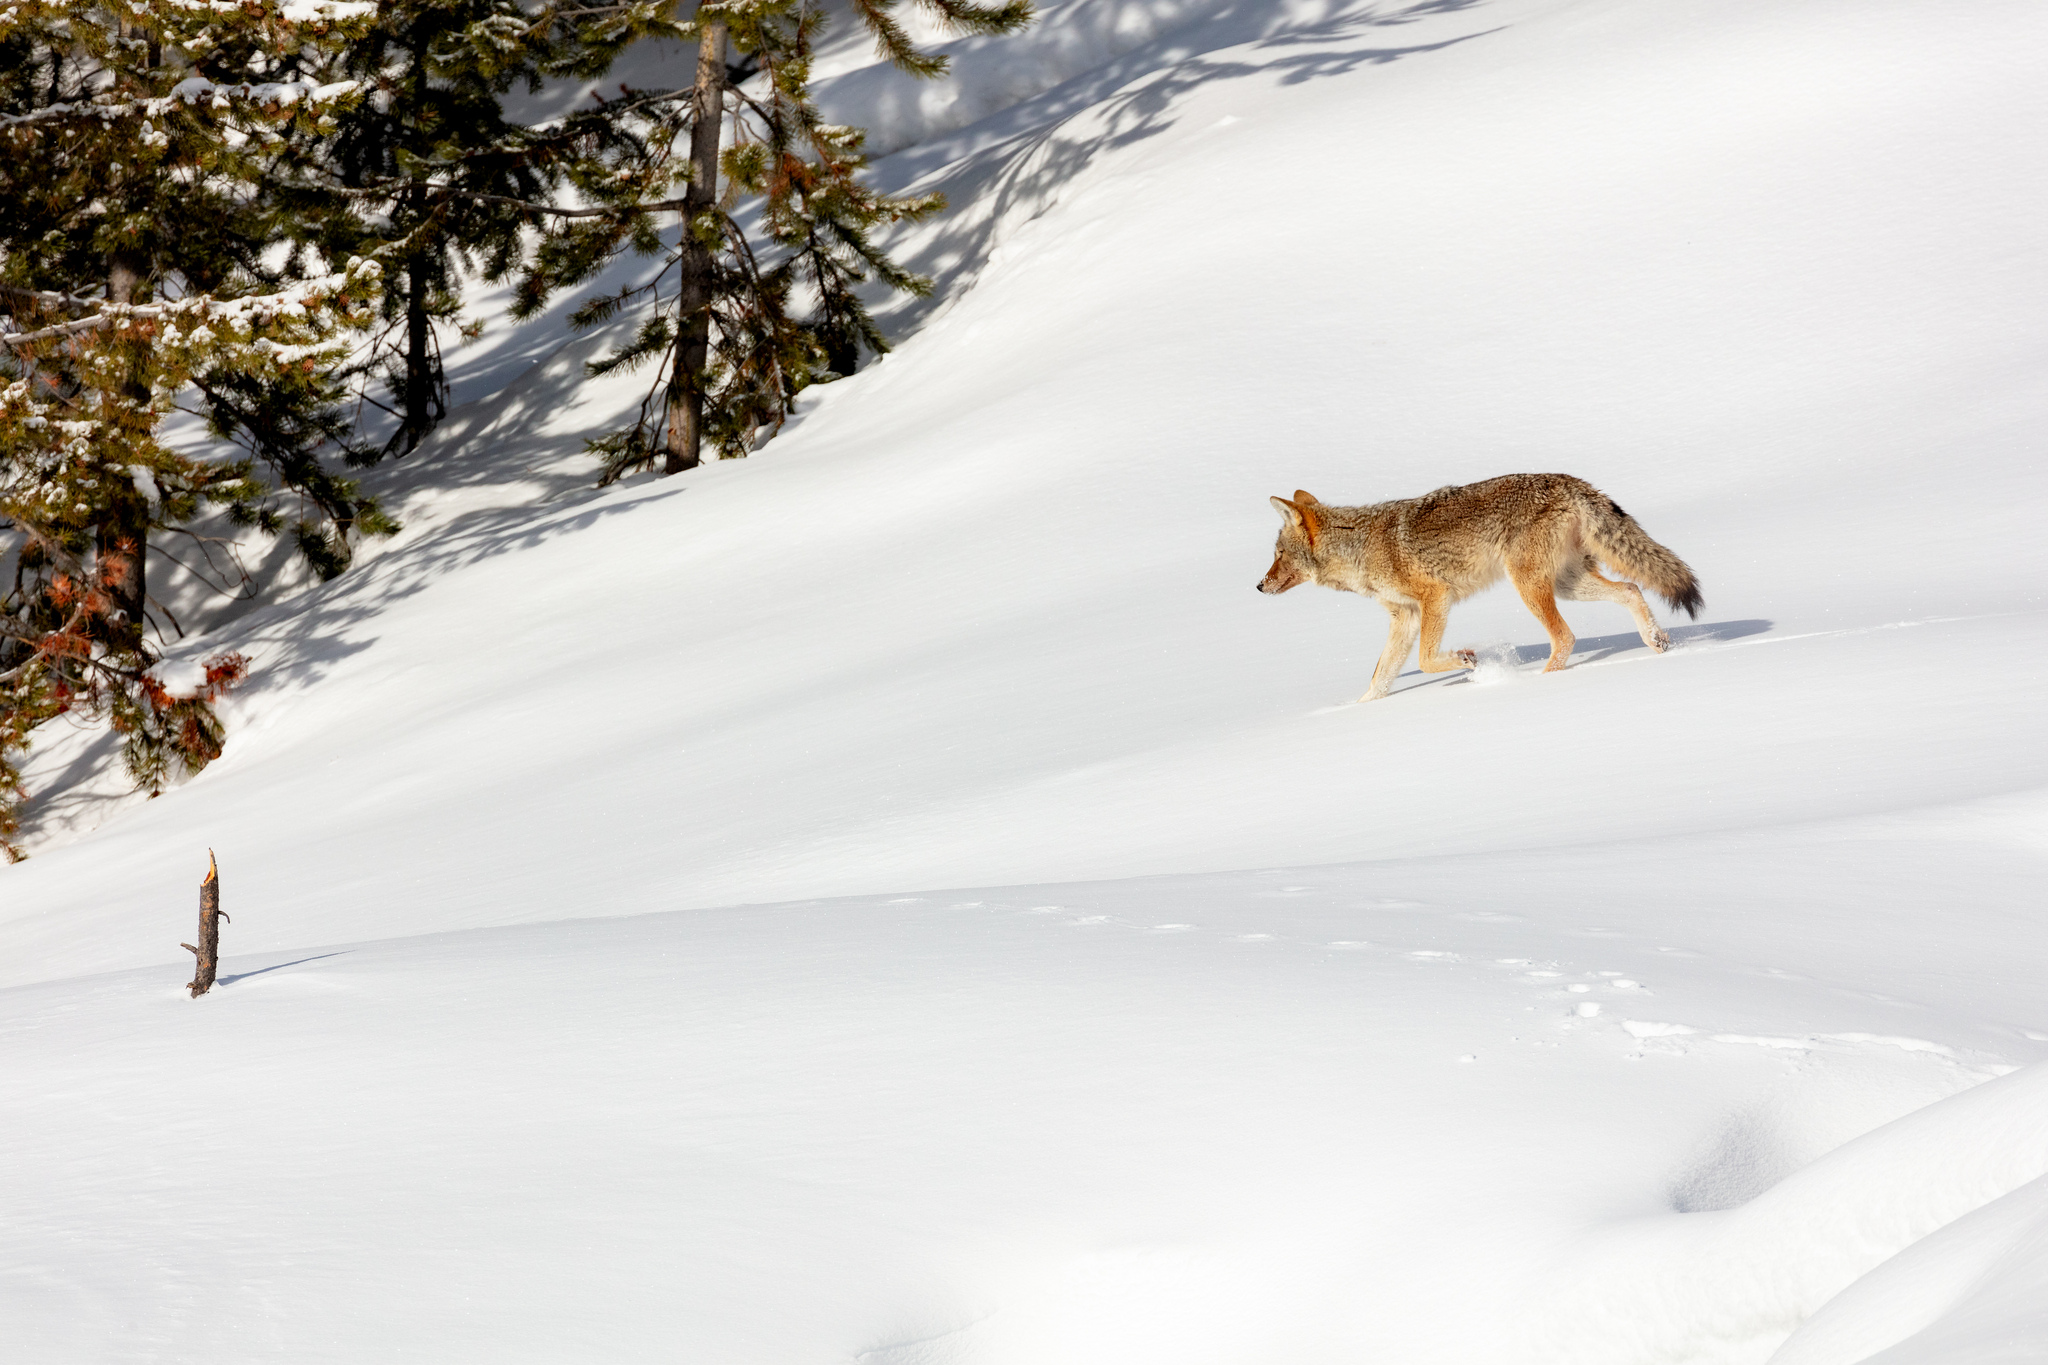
<point>965,17</point>
<point>200,307</point>
<point>272,97</point>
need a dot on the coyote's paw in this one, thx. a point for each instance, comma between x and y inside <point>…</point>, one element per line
<point>1659,641</point>
<point>1467,657</point>
<point>1374,694</point>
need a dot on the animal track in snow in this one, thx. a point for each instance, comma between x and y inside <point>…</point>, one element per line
<point>1650,1031</point>
<point>1648,1028</point>
<point>1764,1040</point>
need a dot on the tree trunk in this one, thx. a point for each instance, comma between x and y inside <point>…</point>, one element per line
<point>419,376</point>
<point>422,391</point>
<point>684,438</point>
<point>122,548</point>
<point>210,916</point>
<point>121,540</point>
<point>125,272</point>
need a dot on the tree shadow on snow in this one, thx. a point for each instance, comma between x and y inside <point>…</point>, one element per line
<point>993,188</point>
<point>293,643</point>
<point>300,640</point>
<point>275,967</point>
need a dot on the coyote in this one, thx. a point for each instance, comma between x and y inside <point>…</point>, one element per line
<point>1547,532</point>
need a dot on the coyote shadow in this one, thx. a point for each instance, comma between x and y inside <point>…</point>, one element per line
<point>1595,650</point>
<point>1607,646</point>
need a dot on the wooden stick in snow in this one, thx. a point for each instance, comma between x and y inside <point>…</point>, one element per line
<point>210,916</point>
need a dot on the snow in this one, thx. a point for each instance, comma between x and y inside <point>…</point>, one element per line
<point>904,898</point>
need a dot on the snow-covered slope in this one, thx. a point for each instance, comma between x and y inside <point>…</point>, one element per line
<point>498,1080</point>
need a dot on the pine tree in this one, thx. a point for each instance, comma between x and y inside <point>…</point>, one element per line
<point>732,350</point>
<point>430,157</point>
<point>135,265</point>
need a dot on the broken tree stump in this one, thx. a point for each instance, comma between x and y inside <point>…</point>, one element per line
<point>210,916</point>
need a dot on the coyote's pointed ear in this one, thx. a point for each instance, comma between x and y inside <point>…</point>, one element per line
<point>1308,516</point>
<point>1305,498</point>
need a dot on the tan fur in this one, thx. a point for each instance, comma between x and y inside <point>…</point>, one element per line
<point>1547,533</point>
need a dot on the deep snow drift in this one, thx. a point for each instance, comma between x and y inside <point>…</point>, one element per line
<point>1671,1008</point>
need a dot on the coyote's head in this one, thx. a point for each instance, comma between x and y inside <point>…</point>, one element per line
<point>1294,556</point>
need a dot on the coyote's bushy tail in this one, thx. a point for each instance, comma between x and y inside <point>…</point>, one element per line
<point>1617,538</point>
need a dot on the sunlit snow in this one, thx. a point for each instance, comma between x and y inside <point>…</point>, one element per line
<point>904,898</point>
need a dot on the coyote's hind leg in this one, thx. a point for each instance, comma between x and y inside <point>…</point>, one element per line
<point>1401,627</point>
<point>1538,591</point>
<point>1588,586</point>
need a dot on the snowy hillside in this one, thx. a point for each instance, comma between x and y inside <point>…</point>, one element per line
<point>903,897</point>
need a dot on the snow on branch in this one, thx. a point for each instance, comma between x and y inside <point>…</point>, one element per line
<point>291,11</point>
<point>326,11</point>
<point>271,96</point>
<point>291,303</point>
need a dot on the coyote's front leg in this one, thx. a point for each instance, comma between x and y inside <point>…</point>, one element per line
<point>1435,615</point>
<point>1402,624</point>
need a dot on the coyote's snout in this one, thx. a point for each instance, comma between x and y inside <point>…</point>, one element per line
<point>1548,533</point>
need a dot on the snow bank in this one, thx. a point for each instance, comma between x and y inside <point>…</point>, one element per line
<point>1191,1119</point>
<point>983,617</point>
<point>1968,1293</point>
<point>1733,1285</point>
